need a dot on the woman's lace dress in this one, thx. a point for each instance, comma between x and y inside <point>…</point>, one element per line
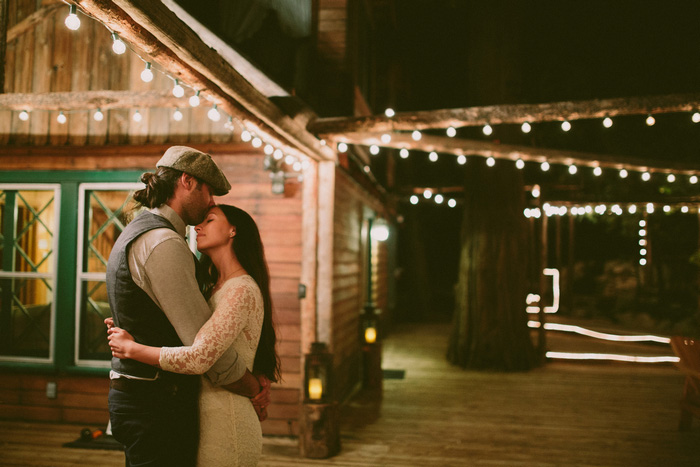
<point>230,433</point>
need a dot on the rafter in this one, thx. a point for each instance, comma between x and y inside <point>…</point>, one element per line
<point>84,100</point>
<point>499,114</point>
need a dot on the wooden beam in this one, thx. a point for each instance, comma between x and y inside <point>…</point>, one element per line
<point>84,100</point>
<point>4,4</point>
<point>32,20</point>
<point>457,146</point>
<point>499,114</point>
<point>153,28</point>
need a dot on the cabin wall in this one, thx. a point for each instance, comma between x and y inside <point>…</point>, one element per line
<point>84,398</point>
<point>353,205</point>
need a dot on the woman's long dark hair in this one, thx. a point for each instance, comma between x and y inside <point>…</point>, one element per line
<point>249,250</point>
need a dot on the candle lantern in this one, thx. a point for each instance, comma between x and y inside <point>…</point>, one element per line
<point>318,375</point>
<point>369,325</point>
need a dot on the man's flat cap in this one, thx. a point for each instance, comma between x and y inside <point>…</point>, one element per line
<point>197,164</point>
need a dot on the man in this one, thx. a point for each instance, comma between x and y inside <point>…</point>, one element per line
<point>155,295</point>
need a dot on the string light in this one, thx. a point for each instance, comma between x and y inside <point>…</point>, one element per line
<point>246,136</point>
<point>414,199</point>
<point>289,159</point>
<point>646,176</point>
<point>137,116</point>
<point>565,125</point>
<point>374,149</point>
<point>118,46</point>
<point>607,122</point>
<point>526,127</point>
<point>403,153</point>
<point>544,166</point>
<point>278,154</point>
<point>386,138</point>
<point>451,202</point>
<point>214,114</point>
<point>194,99</point>
<point>229,124</point>
<point>487,130</point>
<point>61,118</point>
<point>650,208</point>
<point>650,120</point>
<point>520,164</point>
<point>177,115</point>
<point>632,209</point>
<point>451,132</point>
<point>696,117</point>
<point>147,74</point>
<point>597,171</point>
<point>623,173</point>
<point>268,149</point>
<point>99,116</point>
<point>72,21</point>
<point>461,159</point>
<point>342,147</point>
<point>439,198</point>
<point>24,115</point>
<point>433,156</point>
<point>693,179</point>
<point>490,161</point>
<point>257,142</point>
<point>416,135</point>
<point>684,209</point>
<point>178,90</point>
<point>573,169</point>
<point>389,112</point>
<point>671,178</point>
<point>427,193</point>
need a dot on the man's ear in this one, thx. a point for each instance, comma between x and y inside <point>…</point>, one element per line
<point>188,181</point>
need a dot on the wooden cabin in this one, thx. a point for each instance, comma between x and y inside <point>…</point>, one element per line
<point>65,188</point>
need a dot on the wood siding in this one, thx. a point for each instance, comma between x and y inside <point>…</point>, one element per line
<point>332,31</point>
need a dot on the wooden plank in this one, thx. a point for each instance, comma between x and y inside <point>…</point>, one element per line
<point>81,79</point>
<point>7,71</point>
<point>81,100</point>
<point>62,63</point>
<point>19,130</point>
<point>101,56</point>
<point>29,22</point>
<point>41,82</point>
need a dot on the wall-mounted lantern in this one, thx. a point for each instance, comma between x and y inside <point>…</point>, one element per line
<point>318,370</point>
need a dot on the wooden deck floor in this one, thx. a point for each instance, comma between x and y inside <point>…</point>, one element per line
<point>564,414</point>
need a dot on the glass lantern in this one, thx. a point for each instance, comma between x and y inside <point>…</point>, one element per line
<point>318,369</point>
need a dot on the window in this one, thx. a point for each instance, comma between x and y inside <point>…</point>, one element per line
<point>28,255</point>
<point>104,211</point>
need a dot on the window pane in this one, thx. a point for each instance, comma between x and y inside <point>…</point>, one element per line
<point>25,317</point>
<point>93,332</point>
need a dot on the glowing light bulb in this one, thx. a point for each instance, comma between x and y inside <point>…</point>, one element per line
<point>573,169</point>
<point>214,114</point>
<point>544,166</point>
<point>178,90</point>
<point>565,125</point>
<point>118,46</point>
<point>257,142</point>
<point>416,135</point>
<point>72,21</point>
<point>684,209</point>
<point>642,223</point>
<point>268,149</point>
<point>229,125</point>
<point>99,116</point>
<point>194,100</point>
<point>386,138</point>
<point>526,127</point>
<point>520,164</point>
<point>671,178</point>
<point>427,193</point>
<point>374,149</point>
<point>650,120</point>
<point>24,115</point>
<point>389,112</point>
<point>61,118</point>
<point>137,116</point>
<point>490,161</point>
<point>623,173</point>
<point>451,202</point>
<point>650,209</point>
<point>246,136</point>
<point>597,171</point>
<point>439,198</point>
<point>607,122</point>
<point>461,159</point>
<point>487,130</point>
<point>693,179</point>
<point>667,208</point>
<point>535,192</point>
<point>646,176</point>
<point>342,147</point>
<point>147,74</point>
<point>433,156</point>
<point>451,132</point>
<point>414,199</point>
<point>278,154</point>
<point>177,115</point>
<point>289,159</point>
<point>403,153</point>
<point>632,209</point>
<point>696,117</point>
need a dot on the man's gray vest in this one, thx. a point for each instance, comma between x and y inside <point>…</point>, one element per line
<point>132,308</point>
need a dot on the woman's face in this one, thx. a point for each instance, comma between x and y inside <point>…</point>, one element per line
<point>214,231</point>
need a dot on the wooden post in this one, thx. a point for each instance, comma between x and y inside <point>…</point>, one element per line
<point>569,280</point>
<point>372,376</point>
<point>3,41</point>
<point>542,333</point>
<point>320,430</point>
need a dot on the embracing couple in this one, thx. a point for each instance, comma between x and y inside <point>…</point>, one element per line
<point>174,318</point>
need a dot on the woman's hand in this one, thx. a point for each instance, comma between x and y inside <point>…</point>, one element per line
<point>120,341</point>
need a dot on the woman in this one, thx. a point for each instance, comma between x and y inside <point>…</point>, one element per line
<point>239,295</point>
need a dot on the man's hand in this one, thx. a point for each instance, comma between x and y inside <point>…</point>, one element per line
<point>262,400</point>
<point>110,323</point>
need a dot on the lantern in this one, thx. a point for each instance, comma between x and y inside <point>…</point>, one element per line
<point>369,325</point>
<point>318,370</point>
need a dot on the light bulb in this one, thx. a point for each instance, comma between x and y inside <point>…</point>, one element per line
<point>229,126</point>
<point>403,153</point>
<point>214,114</point>
<point>177,115</point>
<point>684,209</point>
<point>520,164</point>
<point>461,159</point>
<point>433,156</point>
<point>342,147</point>
<point>72,20</point>
<point>416,135</point>
<point>573,169</point>
<point>137,116</point>
<point>451,132</point>
<point>414,199</point>
<point>24,115</point>
<point>268,149</point>
<point>439,198</point>
<point>386,138</point>
<point>490,161</point>
<point>693,179</point>
<point>118,46</point>
<point>178,90</point>
<point>544,166</point>
<point>99,116</point>
<point>374,149</point>
<point>487,130</point>
<point>671,178</point>
<point>451,202</point>
<point>632,209</point>
<point>61,118</point>
<point>389,112</point>
<point>607,122</point>
<point>526,127</point>
<point>278,154</point>
<point>246,136</point>
<point>257,142</point>
<point>623,173</point>
<point>597,171</point>
<point>646,176</point>
<point>565,125</point>
<point>427,193</point>
<point>147,74</point>
<point>696,117</point>
<point>650,120</point>
<point>194,100</point>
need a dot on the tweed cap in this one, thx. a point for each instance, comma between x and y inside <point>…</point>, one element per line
<point>197,164</point>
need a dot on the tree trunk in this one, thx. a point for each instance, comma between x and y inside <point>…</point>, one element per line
<point>490,323</point>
